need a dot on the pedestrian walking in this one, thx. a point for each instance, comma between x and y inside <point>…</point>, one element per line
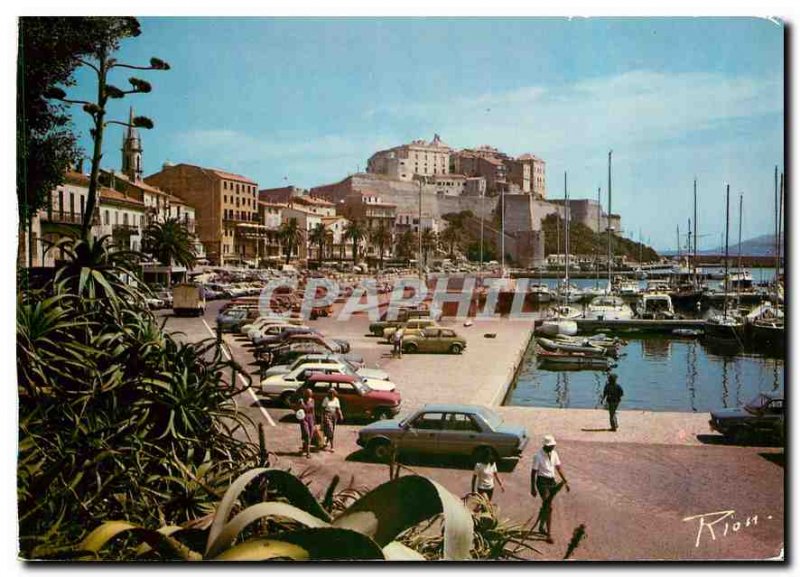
<point>331,415</point>
<point>397,341</point>
<point>485,474</point>
<point>612,395</point>
<point>543,472</point>
<point>305,416</point>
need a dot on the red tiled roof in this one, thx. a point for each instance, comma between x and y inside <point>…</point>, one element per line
<point>232,176</point>
<point>114,196</point>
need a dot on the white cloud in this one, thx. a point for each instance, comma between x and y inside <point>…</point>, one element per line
<point>634,107</point>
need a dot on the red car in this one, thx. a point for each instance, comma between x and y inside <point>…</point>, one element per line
<point>357,399</point>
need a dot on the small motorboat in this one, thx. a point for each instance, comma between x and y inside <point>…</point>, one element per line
<point>610,345</point>
<point>569,346</point>
<point>553,327</point>
<point>610,308</point>
<point>572,359</point>
<point>691,333</point>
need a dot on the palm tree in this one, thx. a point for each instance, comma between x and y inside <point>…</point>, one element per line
<point>381,235</point>
<point>170,242</point>
<point>355,232</point>
<point>318,236</point>
<point>290,235</point>
<point>405,245</point>
<point>429,242</point>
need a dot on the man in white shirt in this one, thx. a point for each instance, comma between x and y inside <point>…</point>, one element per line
<point>546,463</point>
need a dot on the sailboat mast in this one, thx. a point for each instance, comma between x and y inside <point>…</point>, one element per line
<point>739,264</point>
<point>694,248</point>
<point>566,238</point>
<point>608,228</point>
<point>780,228</point>
<point>727,224</point>
<point>777,239</point>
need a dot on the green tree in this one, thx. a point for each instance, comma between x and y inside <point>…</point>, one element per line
<point>170,242</point>
<point>291,236</point>
<point>355,232</point>
<point>99,59</point>
<point>318,236</point>
<point>405,245</point>
<point>429,242</point>
<point>451,237</point>
<point>381,235</point>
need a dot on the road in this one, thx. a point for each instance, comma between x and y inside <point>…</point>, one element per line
<point>639,494</point>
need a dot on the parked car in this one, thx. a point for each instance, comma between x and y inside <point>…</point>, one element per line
<point>410,327</point>
<point>445,429</point>
<point>166,297</point>
<point>280,332</point>
<point>358,400</point>
<point>377,328</point>
<point>434,340</point>
<point>762,416</point>
<point>284,386</point>
<point>231,320</point>
<point>153,302</point>
<point>333,359</point>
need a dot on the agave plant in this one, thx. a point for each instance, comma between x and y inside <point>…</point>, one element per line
<point>493,537</point>
<point>300,527</point>
<point>116,418</point>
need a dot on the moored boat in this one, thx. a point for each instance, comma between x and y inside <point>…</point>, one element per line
<point>568,346</point>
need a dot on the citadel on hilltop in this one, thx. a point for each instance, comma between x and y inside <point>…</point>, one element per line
<point>433,179</point>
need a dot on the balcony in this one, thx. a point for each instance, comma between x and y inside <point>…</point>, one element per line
<point>128,228</point>
<point>63,217</point>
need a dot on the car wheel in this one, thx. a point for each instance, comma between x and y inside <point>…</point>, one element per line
<point>410,348</point>
<point>739,435</point>
<point>382,414</point>
<point>381,449</point>
<point>455,348</point>
<point>288,398</point>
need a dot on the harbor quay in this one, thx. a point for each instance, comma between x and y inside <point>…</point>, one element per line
<point>658,469</point>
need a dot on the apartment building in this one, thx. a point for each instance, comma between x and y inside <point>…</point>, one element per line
<point>226,207</point>
<point>417,158</point>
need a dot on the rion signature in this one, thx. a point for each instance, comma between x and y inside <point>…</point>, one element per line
<point>712,523</point>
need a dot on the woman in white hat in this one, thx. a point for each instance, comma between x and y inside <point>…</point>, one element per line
<point>543,472</point>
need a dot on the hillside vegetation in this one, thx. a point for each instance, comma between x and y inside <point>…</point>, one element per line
<point>585,242</point>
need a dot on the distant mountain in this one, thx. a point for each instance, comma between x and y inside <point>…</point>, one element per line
<point>763,245</point>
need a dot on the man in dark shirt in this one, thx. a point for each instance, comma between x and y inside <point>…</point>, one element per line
<point>612,395</point>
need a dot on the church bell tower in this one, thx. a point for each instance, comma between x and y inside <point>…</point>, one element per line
<point>132,152</point>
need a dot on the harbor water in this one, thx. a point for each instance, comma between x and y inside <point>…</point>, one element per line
<point>657,374</point>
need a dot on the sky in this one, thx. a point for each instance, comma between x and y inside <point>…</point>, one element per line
<point>308,101</point>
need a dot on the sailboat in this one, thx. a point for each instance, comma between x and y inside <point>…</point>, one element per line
<point>767,322</point>
<point>560,323</point>
<point>726,325</point>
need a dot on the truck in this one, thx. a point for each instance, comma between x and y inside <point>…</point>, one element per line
<point>188,300</point>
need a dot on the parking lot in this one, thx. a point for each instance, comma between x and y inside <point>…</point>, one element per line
<point>644,480</point>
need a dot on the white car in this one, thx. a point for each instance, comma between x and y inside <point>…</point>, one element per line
<point>329,359</point>
<point>284,386</point>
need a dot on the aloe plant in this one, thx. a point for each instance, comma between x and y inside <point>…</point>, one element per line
<point>368,529</point>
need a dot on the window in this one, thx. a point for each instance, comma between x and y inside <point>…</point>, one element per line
<point>82,203</point>
<point>346,389</point>
<point>105,217</point>
<point>125,219</point>
<point>322,387</point>
<point>116,217</point>
<point>428,421</point>
<point>461,422</point>
<point>71,202</point>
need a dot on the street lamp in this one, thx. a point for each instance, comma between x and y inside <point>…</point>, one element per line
<point>419,231</point>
